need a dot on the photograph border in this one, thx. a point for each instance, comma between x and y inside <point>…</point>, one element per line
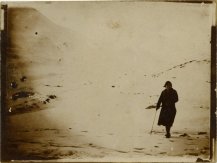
<point>213,67</point>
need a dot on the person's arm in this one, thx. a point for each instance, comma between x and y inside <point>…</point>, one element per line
<point>176,98</point>
<point>159,101</point>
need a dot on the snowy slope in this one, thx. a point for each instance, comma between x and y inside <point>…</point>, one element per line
<point>100,87</point>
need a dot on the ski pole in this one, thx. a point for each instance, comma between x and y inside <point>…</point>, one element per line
<point>153,122</point>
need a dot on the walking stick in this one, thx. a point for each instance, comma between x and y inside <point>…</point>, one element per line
<point>153,123</point>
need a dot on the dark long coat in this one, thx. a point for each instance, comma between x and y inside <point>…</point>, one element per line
<point>168,98</point>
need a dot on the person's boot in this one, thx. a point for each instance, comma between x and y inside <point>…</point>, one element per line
<point>168,135</point>
<point>168,132</point>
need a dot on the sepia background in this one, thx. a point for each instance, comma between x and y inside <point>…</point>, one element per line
<point>83,79</point>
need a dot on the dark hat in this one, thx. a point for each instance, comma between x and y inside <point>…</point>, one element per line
<point>168,83</point>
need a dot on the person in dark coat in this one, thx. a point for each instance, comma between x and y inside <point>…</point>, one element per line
<point>168,98</point>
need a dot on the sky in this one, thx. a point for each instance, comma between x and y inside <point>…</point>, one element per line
<point>174,33</point>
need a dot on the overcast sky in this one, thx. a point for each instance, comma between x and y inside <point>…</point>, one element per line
<point>171,33</point>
